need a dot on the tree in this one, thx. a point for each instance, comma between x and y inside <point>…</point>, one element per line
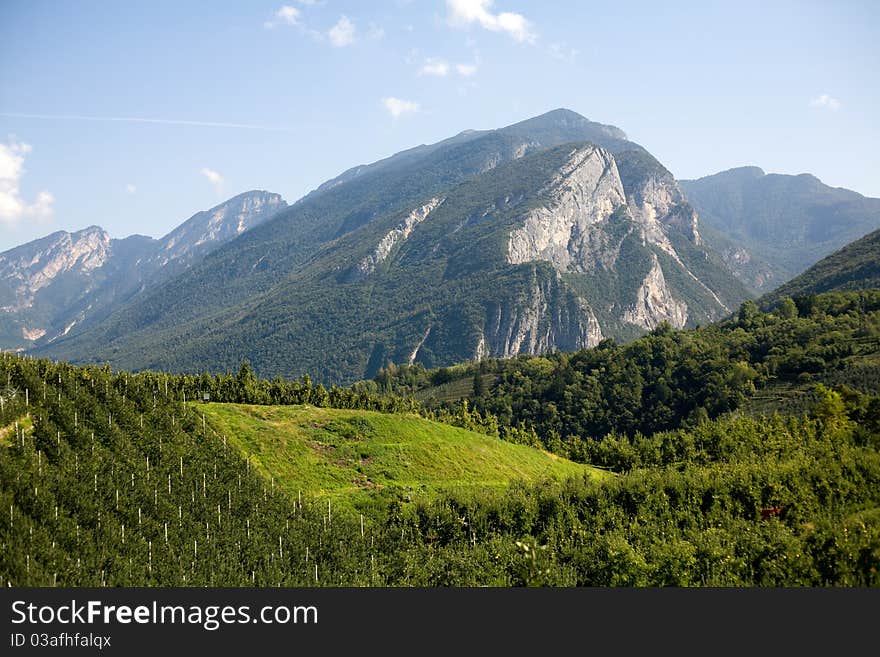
<point>788,309</point>
<point>479,385</point>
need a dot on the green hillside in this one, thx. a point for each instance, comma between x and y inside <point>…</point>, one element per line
<point>355,456</point>
<point>854,267</point>
<point>120,479</point>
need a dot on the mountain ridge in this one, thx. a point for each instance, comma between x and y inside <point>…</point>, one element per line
<point>770,227</point>
<point>854,267</point>
<point>65,280</point>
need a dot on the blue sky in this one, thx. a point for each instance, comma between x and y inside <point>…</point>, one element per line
<point>135,115</point>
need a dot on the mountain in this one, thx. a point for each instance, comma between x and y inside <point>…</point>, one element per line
<point>66,280</point>
<point>552,233</point>
<point>771,227</point>
<point>854,267</point>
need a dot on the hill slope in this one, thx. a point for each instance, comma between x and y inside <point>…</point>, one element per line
<point>488,244</point>
<point>354,456</point>
<point>854,267</point>
<point>771,227</point>
<point>115,481</point>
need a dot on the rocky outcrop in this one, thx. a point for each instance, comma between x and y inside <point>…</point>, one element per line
<point>656,200</point>
<point>586,191</point>
<point>205,230</point>
<point>29,268</point>
<point>546,317</point>
<point>655,302</point>
<point>395,236</point>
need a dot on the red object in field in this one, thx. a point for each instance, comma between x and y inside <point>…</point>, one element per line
<point>772,511</point>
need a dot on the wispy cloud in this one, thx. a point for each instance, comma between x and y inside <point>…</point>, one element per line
<point>375,31</point>
<point>825,101</point>
<point>436,67</point>
<point>138,119</point>
<point>343,33</point>
<point>468,12</point>
<point>466,70</point>
<point>398,107</point>
<point>130,188</point>
<point>214,178</point>
<point>13,208</point>
<point>286,15</point>
<point>562,52</point>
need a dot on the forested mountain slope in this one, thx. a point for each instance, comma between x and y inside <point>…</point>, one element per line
<point>771,227</point>
<point>854,267</point>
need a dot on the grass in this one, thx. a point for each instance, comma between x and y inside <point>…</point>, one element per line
<point>7,433</point>
<point>355,457</point>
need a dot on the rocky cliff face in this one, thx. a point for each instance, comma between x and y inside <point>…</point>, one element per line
<point>210,228</point>
<point>51,285</point>
<point>590,210</point>
<point>655,302</point>
<point>395,236</point>
<point>29,268</point>
<point>544,318</point>
<point>585,192</point>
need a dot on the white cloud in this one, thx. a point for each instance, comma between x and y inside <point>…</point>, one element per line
<point>13,208</point>
<point>214,178</point>
<point>466,70</point>
<point>343,33</point>
<point>467,12</point>
<point>288,14</point>
<point>826,102</point>
<point>398,107</point>
<point>130,188</point>
<point>436,67</point>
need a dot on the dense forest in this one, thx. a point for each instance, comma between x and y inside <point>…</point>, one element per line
<point>668,379</point>
<point>114,478</point>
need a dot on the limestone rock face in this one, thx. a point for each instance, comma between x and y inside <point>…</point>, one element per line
<point>585,192</point>
<point>592,207</point>
<point>542,320</point>
<point>655,302</point>
<point>218,225</point>
<point>394,237</point>
<point>30,268</point>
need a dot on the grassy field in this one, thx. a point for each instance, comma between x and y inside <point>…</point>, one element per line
<point>355,456</point>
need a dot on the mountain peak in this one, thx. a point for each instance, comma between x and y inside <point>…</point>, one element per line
<point>563,125</point>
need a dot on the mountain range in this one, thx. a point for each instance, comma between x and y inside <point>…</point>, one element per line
<point>550,234</point>
<point>71,280</point>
